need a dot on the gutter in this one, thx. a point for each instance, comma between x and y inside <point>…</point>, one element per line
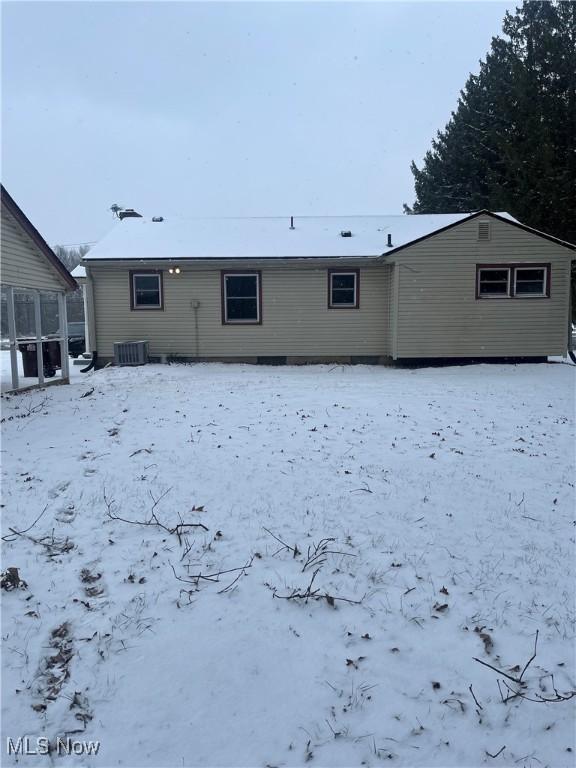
<point>215,259</point>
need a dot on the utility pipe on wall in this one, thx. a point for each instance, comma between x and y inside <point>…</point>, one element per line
<point>196,307</point>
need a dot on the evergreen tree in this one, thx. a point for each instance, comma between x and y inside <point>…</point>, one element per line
<point>511,142</point>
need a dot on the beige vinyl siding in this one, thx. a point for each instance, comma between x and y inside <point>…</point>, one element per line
<point>23,265</point>
<point>438,314</point>
<point>296,320</point>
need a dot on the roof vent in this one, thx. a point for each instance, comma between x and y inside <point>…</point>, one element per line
<point>345,233</point>
<point>157,218</point>
<point>129,213</point>
<point>292,222</point>
<point>484,230</point>
<point>389,241</point>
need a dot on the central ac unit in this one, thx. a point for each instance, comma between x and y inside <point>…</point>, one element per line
<point>130,352</point>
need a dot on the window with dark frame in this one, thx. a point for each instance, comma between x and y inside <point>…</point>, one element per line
<point>241,297</point>
<point>343,289</point>
<point>530,281</point>
<point>493,282</point>
<point>146,290</point>
<point>513,281</point>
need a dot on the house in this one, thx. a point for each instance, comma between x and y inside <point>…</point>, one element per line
<point>319,289</point>
<point>29,268</point>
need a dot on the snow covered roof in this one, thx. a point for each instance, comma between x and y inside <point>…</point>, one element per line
<point>78,272</point>
<point>254,238</point>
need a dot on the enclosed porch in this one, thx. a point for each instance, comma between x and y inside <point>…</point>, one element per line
<point>34,338</point>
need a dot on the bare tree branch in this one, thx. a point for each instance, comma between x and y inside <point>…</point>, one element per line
<point>9,536</point>
<point>179,529</point>
<point>295,551</point>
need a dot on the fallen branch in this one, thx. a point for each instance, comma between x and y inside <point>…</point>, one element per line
<point>214,577</point>
<point>295,551</point>
<point>140,450</point>
<point>365,490</point>
<point>500,672</point>
<point>474,697</point>
<point>242,573</point>
<point>541,699</point>
<point>308,592</point>
<point>179,529</point>
<point>314,594</point>
<point>54,546</point>
<point>316,555</point>
<point>508,698</point>
<point>519,681</point>
<point>531,659</point>
<point>9,536</point>
<point>30,411</point>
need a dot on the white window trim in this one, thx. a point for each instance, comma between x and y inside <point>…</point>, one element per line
<point>506,295</point>
<point>225,277</point>
<point>531,295</point>
<point>354,304</point>
<point>135,295</point>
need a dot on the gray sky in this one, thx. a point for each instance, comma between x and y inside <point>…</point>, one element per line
<point>224,109</point>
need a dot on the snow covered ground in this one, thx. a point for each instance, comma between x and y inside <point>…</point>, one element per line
<point>25,381</point>
<point>427,514</point>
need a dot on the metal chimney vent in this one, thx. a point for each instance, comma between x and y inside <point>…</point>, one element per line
<point>129,213</point>
<point>484,230</point>
<point>389,241</point>
<point>130,352</point>
<point>345,233</point>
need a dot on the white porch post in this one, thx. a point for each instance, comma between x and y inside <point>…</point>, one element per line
<point>12,335</point>
<point>39,350</point>
<point>63,332</point>
<point>91,311</point>
<point>87,341</point>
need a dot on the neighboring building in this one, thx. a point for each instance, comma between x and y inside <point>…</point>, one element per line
<point>28,265</point>
<point>358,289</point>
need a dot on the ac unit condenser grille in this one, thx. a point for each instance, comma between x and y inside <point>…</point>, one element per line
<point>130,352</point>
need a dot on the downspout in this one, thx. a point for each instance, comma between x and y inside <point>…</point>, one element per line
<point>89,310</point>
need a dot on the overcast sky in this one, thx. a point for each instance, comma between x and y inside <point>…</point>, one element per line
<point>224,109</point>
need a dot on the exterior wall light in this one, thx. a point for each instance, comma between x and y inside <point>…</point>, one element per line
<point>174,270</point>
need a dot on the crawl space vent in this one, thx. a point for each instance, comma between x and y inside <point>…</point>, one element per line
<point>484,230</point>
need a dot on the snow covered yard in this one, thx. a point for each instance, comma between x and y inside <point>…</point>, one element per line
<point>24,381</point>
<point>379,529</point>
